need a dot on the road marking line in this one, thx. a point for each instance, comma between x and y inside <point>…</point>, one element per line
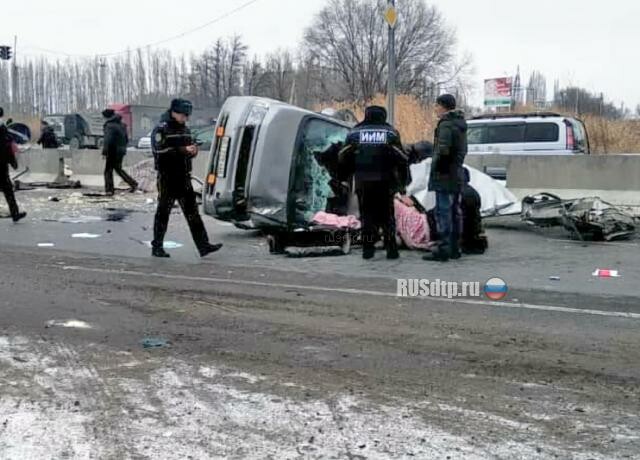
<point>483,303</point>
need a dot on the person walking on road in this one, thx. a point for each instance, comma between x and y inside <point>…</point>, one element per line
<point>173,149</point>
<point>114,149</point>
<point>8,158</point>
<point>447,178</point>
<point>48,139</point>
<point>374,156</point>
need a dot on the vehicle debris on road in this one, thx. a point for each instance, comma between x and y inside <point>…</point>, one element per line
<point>89,236</point>
<point>154,342</point>
<point>589,219</point>
<point>606,273</point>
<point>72,324</point>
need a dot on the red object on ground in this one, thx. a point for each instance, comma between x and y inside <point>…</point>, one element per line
<point>606,273</point>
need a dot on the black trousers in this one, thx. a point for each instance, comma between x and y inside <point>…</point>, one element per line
<point>377,213</point>
<point>114,163</point>
<point>9,195</point>
<point>472,240</point>
<point>168,193</point>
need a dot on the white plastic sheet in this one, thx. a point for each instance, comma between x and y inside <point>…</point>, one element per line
<point>497,200</point>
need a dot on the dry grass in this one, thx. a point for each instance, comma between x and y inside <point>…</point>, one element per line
<point>613,136</point>
<point>417,122</point>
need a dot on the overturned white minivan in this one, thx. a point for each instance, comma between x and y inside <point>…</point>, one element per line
<point>262,171</point>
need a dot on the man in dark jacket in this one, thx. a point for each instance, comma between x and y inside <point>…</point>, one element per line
<point>374,155</point>
<point>7,158</point>
<point>473,240</point>
<point>114,149</point>
<point>447,177</point>
<point>48,139</point>
<point>173,150</point>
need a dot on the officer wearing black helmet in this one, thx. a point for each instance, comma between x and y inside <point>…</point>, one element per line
<point>374,156</point>
<point>173,150</point>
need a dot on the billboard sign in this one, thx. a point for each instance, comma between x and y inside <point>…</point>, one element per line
<point>498,92</point>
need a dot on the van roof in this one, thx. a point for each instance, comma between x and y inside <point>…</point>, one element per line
<point>497,116</point>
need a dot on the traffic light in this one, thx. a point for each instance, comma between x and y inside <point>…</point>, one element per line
<point>5,53</point>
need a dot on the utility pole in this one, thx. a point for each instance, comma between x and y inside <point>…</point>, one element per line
<point>14,77</point>
<point>391,15</point>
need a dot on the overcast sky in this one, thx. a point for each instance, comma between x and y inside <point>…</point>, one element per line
<point>588,43</point>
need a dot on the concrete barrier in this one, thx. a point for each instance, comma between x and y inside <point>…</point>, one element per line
<point>41,165</point>
<point>614,178</point>
<point>482,162</point>
<point>87,167</point>
<point>133,157</point>
<point>597,172</point>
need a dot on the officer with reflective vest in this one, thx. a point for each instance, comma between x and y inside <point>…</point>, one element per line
<point>373,154</point>
<point>173,149</point>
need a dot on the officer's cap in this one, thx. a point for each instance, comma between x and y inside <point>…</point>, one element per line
<point>375,114</point>
<point>182,106</point>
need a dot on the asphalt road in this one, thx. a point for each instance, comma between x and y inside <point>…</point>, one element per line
<point>306,356</point>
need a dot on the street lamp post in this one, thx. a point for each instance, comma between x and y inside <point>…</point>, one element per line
<point>391,17</point>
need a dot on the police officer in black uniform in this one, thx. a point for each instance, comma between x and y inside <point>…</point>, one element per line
<point>374,155</point>
<point>173,150</point>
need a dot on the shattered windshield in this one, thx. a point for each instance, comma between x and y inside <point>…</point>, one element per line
<point>311,190</point>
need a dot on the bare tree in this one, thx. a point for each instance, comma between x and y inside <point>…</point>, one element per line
<point>537,89</point>
<point>253,78</point>
<point>280,75</point>
<point>348,38</point>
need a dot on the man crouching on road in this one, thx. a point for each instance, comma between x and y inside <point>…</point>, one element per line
<point>173,150</point>
<point>447,177</point>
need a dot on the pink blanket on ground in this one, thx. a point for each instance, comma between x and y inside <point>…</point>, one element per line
<point>333,220</point>
<point>411,226</point>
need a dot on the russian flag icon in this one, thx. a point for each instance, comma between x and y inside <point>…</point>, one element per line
<point>496,289</point>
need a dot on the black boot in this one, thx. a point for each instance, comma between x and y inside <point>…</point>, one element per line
<point>393,254</point>
<point>439,254</point>
<point>209,249</point>
<point>368,252</point>
<point>392,251</point>
<point>18,217</point>
<point>160,252</point>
